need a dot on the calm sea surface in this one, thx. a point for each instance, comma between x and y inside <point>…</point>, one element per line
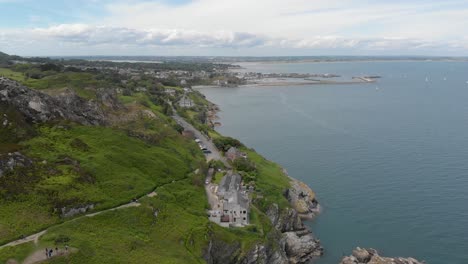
<point>388,161</point>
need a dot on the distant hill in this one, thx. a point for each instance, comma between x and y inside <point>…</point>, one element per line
<point>4,57</point>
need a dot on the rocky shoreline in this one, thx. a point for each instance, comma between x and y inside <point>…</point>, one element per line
<point>289,242</point>
<point>371,256</point>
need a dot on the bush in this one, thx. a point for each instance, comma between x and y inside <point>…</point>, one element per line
<point>245,165</point>
<point>216,164</point>
<point>225,143</point>
<point>61,239</point>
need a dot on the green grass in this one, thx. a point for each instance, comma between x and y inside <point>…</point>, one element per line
<point>271,181</point>
<point>18,253</point>
<point>217,177</point>
<point>114,169</point>
<point>78,81</point>
<point>134,235</point>
<point>17,76</point>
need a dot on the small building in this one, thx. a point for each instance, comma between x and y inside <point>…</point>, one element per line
<point>186,102</point>
<point>233,154</point>
<point>170,91</point>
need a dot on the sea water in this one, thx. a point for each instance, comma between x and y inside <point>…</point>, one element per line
<point>388,160</point>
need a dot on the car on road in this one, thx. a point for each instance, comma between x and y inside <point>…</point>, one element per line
<point>207,151</point>
<point>197,140</point>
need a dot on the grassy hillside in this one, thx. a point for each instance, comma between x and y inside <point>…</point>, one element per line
<point>74,166</point>
<point>85,165</point>
<point>77,165</point>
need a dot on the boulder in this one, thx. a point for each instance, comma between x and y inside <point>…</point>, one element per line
<point>361,255</point>
<point>371,256</point>
<point>10,161</point>
<point>302,199</point>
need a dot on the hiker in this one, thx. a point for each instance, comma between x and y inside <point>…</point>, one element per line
<point>66,247</point>
<point>47,253</point>
<point>51,251</point>
<point>56,250</point>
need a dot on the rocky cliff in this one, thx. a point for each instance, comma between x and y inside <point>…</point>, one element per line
<point>302,199</point>
<point>371,256</point>
<point>39,107</point>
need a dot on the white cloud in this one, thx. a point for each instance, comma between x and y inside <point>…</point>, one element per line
<point>310,27</point>
<point>89,36</point>
<point>95,35</point>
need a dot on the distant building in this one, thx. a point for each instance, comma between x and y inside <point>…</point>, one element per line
<point>169,91</point>
<point>185,101</point>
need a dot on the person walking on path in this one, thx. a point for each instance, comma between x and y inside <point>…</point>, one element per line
<point>47,253</point>
<point>66,248</point>
<point>51,251</point>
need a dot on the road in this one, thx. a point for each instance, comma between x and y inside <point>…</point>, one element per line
<point>215,154</point>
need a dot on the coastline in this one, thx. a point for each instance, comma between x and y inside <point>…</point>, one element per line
<point>305,207</point>
<point>265,82</point>
<point>297,243</point>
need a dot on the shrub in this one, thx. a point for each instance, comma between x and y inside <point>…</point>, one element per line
<point>225,143</point>
<point>244,165</point>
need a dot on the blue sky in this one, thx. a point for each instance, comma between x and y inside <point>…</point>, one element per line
<point>240,27</point>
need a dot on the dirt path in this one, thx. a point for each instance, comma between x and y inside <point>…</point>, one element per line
<point>39,255</point>
<point>35,237</point>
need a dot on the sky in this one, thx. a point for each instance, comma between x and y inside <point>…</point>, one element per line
<point>234,27</point>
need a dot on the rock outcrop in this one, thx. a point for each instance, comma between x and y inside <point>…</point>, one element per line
<point>371,256</point>
<point>300,244</point>
<point>10,161</point>
<point>271,252</point>
<point>302,199</point>
<point>38,107</point>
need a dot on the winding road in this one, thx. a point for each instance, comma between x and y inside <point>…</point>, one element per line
<point>215,154</point>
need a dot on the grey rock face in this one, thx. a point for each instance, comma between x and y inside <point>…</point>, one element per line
<point>10,161</point>
<point>371,256</point>
<point>69,212</point>
<point>300,244</point>
<point>220,252</point>
<point>38,107</point>
<point>302,199</point>
<point>301,247</point>
<point>287,220</point>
